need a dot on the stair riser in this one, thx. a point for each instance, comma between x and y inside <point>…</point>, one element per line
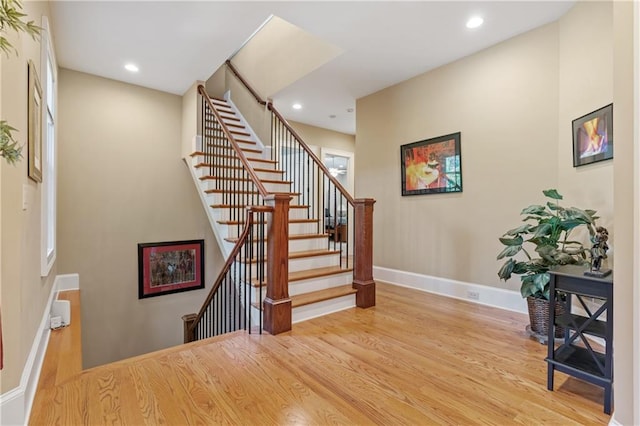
<point>196,159</point>
<point>314,262</point>
<point>245,184</point>
<point>227,214</point>
<point>296,265</point>
<point>294,229</point>
<point>241,199</point>
<point>320,283</point>
<point>306,244</point>
<point>303,313</point>
<point>307,286</point>
<point>277,187</point>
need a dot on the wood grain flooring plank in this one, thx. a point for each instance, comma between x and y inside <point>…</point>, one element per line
<point>415,358</point>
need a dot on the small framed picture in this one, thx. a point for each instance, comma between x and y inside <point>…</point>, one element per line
<point>170,267</point>
<point>593,137</point>
<point>432,166</point>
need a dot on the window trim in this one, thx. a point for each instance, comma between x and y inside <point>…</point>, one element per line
<point>48,190</point>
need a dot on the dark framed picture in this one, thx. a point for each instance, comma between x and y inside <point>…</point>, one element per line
<point>593,137</point>
<point>170,267</point>
<point>432,166</point>
<point>34,131</point>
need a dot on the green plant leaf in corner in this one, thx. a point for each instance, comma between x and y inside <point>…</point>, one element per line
<point>517,241</point>
<point>505,271</point>
<point>552,193</point>
<point>509,251</point>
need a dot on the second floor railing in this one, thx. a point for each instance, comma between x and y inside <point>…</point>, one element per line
<point>235,299</point>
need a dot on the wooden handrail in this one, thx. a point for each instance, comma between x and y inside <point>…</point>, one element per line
<point>254,177</point>
<point>313,156</point>
<point>230,260</point>
<point>273,109</point>
<point>245,83</point>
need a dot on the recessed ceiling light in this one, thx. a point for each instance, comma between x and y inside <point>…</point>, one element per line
<point>332,116</point>
<point>474,22</point>
<point>349,109</point>
<point>131,67</point>
<point>296,106</point>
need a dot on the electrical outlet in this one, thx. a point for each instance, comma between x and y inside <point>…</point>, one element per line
<point>475,295</point>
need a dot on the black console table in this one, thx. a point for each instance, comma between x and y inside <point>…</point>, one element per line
<point>575,355</point>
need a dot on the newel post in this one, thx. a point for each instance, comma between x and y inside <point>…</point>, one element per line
<point>277,304</point>
<point>187,321</point>
<point>363,259</point>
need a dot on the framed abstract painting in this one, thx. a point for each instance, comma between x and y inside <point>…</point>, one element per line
<point>593,137</point>
<point>170,267</point>
<point>432,166</point>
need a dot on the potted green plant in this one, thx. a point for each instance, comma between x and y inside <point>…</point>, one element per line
<point>542,242</point>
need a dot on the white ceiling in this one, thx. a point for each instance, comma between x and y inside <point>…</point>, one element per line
<point>385,42</point>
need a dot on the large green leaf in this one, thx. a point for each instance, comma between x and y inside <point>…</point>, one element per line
<point>523,229</point>
<point>554,206</point>
<point>517,241</point>
<point>536,209</point>
<point>552,193</point>
<point>578,214</point>
<point>509,251</point>
<point>543,230</point>
<point>505,271</point>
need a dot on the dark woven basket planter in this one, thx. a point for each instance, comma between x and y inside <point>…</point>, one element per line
<point>539,316</point>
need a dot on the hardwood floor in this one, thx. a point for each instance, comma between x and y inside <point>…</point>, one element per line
<point>415,358</point>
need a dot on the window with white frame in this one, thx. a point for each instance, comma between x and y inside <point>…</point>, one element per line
<point>49,175</point>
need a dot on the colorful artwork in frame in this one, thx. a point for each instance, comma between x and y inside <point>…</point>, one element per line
<point>593,137</point>
<point>432,166</point>
<point>170,267</point>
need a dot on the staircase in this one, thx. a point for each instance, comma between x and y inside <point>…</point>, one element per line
<point>286,235</point>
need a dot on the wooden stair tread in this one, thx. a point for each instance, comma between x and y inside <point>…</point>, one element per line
<point>222,191</point>
<point>219,166</point>
<point>312,253</point>
<point>224,206</point>
<point>326,271</point>
<point>215,145</point>
<point>223,138</point>
<point>259,160</point>
<point>321,295</point>
<point>291,237</point>
<point>299,255</point>
<point>240,222</point>
<point>237,132</point>
<point>208,177</point>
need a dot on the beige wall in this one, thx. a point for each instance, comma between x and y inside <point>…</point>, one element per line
<point>122,182</point>
<point>324,138</point>
<point>504,102</point>
<point>625,369</point>
<point>279,54</point>
<point>216,84</point>
<point>585,85</point>
<point>24,293</point>
<point>190,119</point>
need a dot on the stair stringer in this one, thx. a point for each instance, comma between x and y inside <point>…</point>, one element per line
<point>225,246</point>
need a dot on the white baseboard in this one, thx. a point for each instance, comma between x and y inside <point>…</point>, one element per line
<point>613,421</point>
<point>15,405</point>
<point>490,296</point>
<point>68,282</point>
